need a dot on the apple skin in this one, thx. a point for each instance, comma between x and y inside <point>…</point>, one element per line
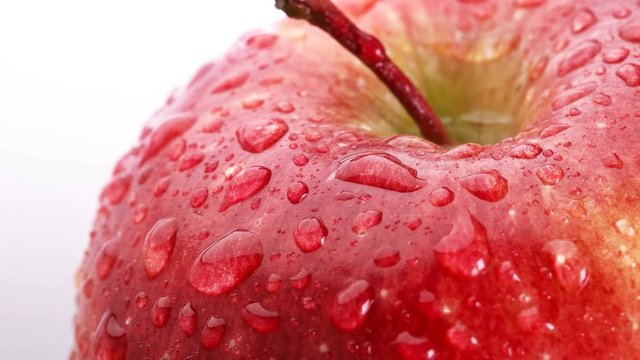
<point>271,211</point>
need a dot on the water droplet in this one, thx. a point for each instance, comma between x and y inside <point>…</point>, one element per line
<point>553,130</point>
<point>260,135</point>
<point>550,174</point>
<point>177,150</point>
<point>199,197</point>
<point>572,95</point>
<point>602,99</point>
<point>139,213</point>
<point>253,102</point>
<point>261,320</point>
<point>297,192</point>
<point>87,288</point>
<point>441,197</point>
<point>621,13</point>
<point>141,300</point>
<point>460,337</point>
<point>111,340</point>
<point>226,263</point>
<point>528,3</point>
<point>231,83</point>
<point>464,251</point>
<point>170,129</point>
<point>412,142</point>
<point>300,160</point>
<point>612,160</point>
<point>568,267</point>
<point>614,56</point>
<point>158,246</point>
<point>310,234</point>
<point>464,151</point>
<point>301,280</point>
<point>161,186</point>
<point>285,107</point>
<point>579,57</point>
<point>386,256</point>
<point>630,74</point>
<point>380,170</point>
<point>366,220</point>
<point>630,32</point>
<point>262,41</point>
<point>525,151</point>
<point>245,184</point>
<point>529,320</point>
<point>409,347</point>
<point>191,160</point>
<point>188,320</point>
<point>351,306</point>
<point>273,283</point>
<point>116,190</point>
<point>487,185</point>
<point>583,20</point>
<point>106,260</point>
<point>213,333</point>
<point>161,312</point>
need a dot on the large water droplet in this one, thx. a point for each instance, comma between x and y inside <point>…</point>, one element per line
<point>111,341</point>
<point>106,259</point>
<point>213,333</point>
<point>614,56</point>
<point>409,347</point>
<point>260,135</point>
<point>379,170</point>
<point>464,251</point>
<point>572,95</point>
<point>230,83</point>
<point>261,320</point>
<point>310,234</point>
<point>297,192</point>
<point>630,32</point>
<point>366,220</point>
<point>612,160</point>
<point>583,20</point>
<point>386,256</point>
<point>245,184</point>
<point>171,128</point>
<point>525,151</point>
<point>158,246</point>
<point>568,267</point>
<point>550,174</point>
<point>351,306</point>
<point>301,280</point>
<point>161,312</point>
<point>188,320</point>
<point>226,263</point>
<point>487,185</point>
<point>630,74</point>
<point>579,56</point>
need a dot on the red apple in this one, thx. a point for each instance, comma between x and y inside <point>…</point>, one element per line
<point>282,205</point>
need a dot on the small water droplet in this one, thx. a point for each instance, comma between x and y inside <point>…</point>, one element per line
<point>285,107</point>
<point>313,136</point>
<point>487,185</point>
<point>614,56</point>
<point>351,306</point>
<point>177,150</point>
<point>630,32</point>
<point>550,174</point>
<point>602,99</point>
<point>572,95</point>
<point>158,246</point>
<point>464,151</point>
<point>273,283</point>
<point>297,192</point>
<point>460,337</point>
<point>579,56</point>
<point>621,12</point>
<point>213,333</point>
<point>191,160</point>
<point>261,320</point>
<point>141,300</point>
<point>301,280</point>
<point>260,135</point>
<point>116,190</point>
<point>528,3</point>
<point>568,267</point>
<point>441,197</point>
<point>226,263</point>
<point>553,130</point>
<point>300,160</point>
<point>253,102</point>
<point>262,41</point>
<point>188,320</point>
<point>386,256</point>
<point>582,20</point>
<point>230,83</point>
<point>630,74</point>
<point>412,142</point>
<point>199,197</point>
<point>139,213</point>
<point>87,288</point>
<point>110,339</point>
<point>525,151</point>
<point>464,251</point>
<point>612,160</point>
<point>310,234</point>
<point>172,127</point>
<point>409,347</point>
<point>106,260</point>
<point>366,220</point>
<point>161,186</point>
<point>161,312</point>
<point>245,184</point>
<point>380,170</point>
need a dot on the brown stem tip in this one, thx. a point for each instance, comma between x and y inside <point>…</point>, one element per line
<point>325,15</point>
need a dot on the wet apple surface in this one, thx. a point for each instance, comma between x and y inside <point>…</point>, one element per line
<point>283,205</point>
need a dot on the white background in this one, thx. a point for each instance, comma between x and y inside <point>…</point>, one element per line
<point>78,78</point>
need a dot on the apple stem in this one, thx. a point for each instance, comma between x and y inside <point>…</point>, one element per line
<point>325,15</point>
